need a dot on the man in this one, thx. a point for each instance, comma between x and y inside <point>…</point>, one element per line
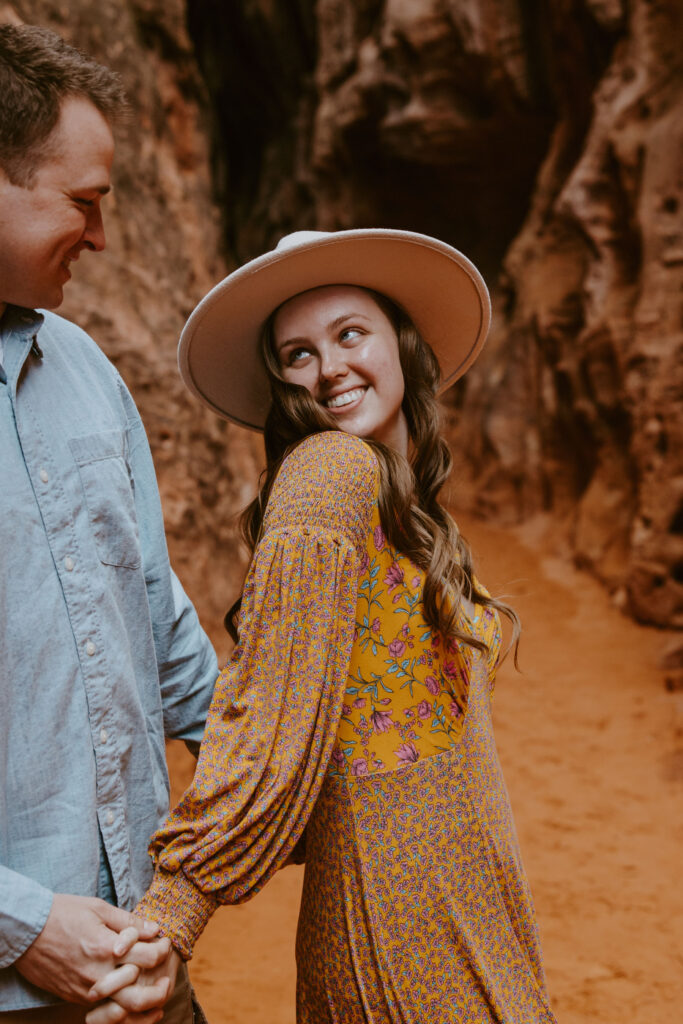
<point>102,654</point>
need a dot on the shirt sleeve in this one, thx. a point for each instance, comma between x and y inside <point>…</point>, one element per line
<point>277,704</point>
<point>185,658</point>
<point>24,909</point>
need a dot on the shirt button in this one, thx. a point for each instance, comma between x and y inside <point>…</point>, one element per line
<point>90,648</point>
<point>68,563</point>
<point>43,476</point>
<point>110,818</point>
<point>103,735</point>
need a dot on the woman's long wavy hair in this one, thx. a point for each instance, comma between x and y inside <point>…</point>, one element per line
<point>412,517</point>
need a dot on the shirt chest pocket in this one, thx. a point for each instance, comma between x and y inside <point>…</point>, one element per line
<point>109,496</point>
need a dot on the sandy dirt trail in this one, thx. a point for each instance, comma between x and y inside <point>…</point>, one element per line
<point>592,749</point>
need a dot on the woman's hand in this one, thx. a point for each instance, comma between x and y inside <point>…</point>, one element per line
<point>136,990</point>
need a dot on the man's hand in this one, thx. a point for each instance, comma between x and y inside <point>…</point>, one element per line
<point>138,1001</point>
<point>82,941</point>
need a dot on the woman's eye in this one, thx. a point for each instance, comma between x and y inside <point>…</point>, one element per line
<point>349,333</point>
<point>296,355</point>
<point>84,202</point>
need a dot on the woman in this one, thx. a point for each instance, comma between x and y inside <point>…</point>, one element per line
<point>353,718</point>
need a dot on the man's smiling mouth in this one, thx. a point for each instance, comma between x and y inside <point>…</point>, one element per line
<point>338,401</point>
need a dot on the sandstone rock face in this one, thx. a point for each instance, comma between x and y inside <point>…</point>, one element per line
<point>163,245</point>
<point>546,141</point>
<point>591,340</point>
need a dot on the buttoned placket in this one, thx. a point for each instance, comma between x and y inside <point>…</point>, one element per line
<point>57,508</point>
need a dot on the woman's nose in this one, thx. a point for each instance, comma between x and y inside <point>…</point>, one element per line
<point>332,364</point>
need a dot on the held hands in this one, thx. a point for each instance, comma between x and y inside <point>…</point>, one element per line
<point>84,941</point>
<point>137,995</point>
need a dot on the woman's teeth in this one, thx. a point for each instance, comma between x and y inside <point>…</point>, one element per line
<point>337,401</point>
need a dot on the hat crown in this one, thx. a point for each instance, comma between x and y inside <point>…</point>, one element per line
<point>297,238</point>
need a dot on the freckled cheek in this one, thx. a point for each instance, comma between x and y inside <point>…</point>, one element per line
<point>390,375</point>
<point>376,366</point>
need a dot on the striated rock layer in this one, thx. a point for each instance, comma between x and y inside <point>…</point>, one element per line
<point>546,141</point>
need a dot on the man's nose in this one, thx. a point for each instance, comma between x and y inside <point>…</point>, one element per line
<point>93,237</point>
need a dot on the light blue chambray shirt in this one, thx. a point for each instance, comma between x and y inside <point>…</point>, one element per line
<point>102,654</point>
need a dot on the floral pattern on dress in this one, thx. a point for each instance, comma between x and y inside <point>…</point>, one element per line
<point>406,696</point>
<point>415,891</point>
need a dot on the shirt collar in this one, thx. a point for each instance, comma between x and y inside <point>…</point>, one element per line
<point>18,333</point>
<point>18,320</point>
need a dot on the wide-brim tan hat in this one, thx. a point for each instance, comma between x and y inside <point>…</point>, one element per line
<point>440,289</point>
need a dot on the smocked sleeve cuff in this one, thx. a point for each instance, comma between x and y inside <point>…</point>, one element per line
<point>179,908</point>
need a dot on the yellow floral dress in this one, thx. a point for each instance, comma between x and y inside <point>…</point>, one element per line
<point>344,721</point>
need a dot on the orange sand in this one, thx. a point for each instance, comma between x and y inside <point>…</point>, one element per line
<point>592,749</point>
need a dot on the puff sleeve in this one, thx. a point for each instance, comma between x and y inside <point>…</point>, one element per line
<point>276,707</point>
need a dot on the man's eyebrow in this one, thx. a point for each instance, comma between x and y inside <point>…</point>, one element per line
<point>102,190</point>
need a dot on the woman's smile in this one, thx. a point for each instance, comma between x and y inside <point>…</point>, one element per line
<point>344,399</point>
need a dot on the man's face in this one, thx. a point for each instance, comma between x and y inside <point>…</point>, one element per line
<point>44,227</point>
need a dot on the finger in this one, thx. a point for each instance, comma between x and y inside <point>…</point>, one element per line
<point>125,941</point>
<point>150,1017</point>
<point>139,998</point>
<point>106,1013</point>
<point>126,974</point>
<point>149,954</point>
<point>148,929</point>
<point>111,1013</point>
<point>119,919</point>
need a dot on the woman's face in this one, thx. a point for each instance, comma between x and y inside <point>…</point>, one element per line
<point>338,344</point>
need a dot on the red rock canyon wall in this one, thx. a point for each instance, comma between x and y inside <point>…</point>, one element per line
<point>543,139</point>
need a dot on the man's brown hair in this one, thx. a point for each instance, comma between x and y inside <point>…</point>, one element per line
<point>38,71</point>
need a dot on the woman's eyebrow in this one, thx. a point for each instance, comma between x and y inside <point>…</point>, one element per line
<point>346,316</point>
<point>280,346</point>
<point>333,324</point>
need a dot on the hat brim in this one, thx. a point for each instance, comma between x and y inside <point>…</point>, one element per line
<point>439,288</point>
